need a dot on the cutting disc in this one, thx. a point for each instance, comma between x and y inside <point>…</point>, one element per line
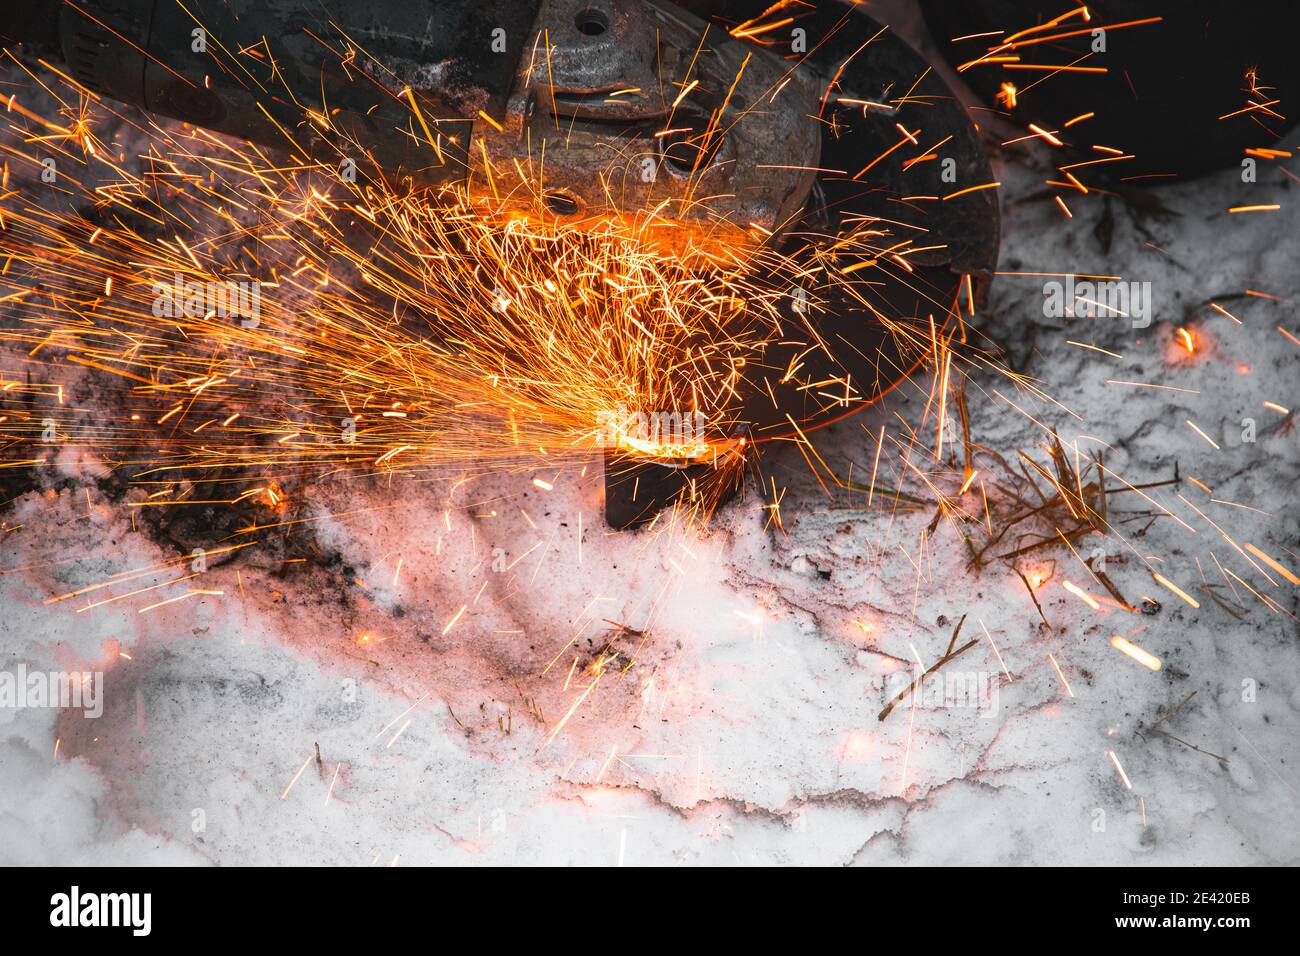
<point>898,219</point>
<point>898,236</point>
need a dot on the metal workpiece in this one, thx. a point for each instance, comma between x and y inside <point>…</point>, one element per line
<point>641,113</point>
<point>637,489</point>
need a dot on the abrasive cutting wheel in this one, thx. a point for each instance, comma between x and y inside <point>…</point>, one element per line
<point>898,154</point>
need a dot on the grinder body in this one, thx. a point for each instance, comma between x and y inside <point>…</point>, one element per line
<point>557,109</point>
